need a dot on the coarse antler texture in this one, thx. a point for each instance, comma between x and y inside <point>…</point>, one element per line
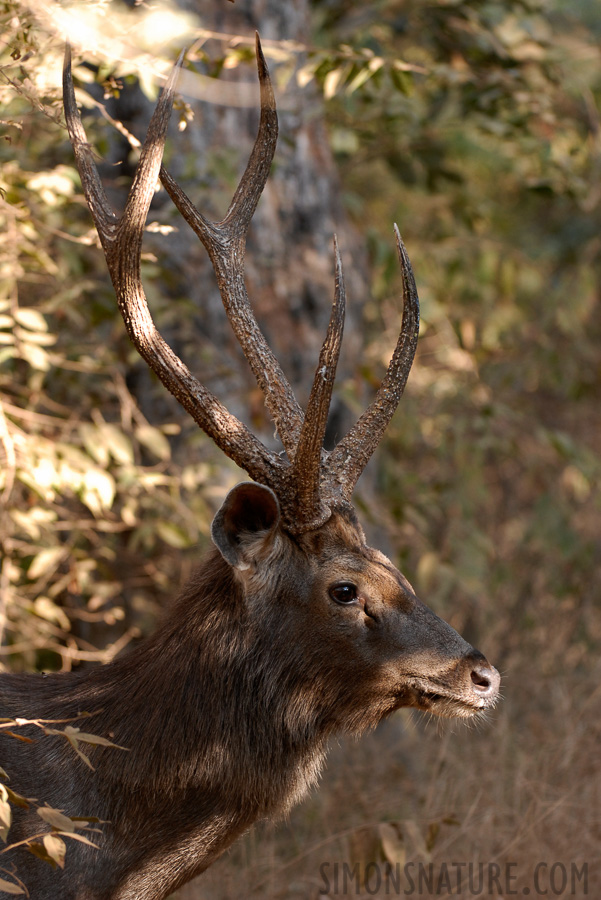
<point>311,482</point>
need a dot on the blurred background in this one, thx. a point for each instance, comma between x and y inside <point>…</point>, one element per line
<point>474,125</point>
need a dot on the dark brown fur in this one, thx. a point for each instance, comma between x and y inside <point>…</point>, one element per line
<point>227,709</point>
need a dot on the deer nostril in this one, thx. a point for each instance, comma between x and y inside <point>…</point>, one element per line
<point>480,680</point>
<point>485,679</point>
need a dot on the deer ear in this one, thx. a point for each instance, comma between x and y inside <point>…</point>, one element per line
<point>249,510</point>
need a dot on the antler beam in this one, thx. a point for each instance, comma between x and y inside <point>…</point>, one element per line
<point>121,239</point>
<point>311,482</point>
<point>225,243</point>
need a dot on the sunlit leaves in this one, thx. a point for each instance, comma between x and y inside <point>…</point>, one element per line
<point>75,736</point>
<point>25,332</point>
<point>83,476</point>
<point>174,535</point>
<point>55,848</point>
<point>45,561</point>
<point>46,609</point>
<point>347,70</point>
<point>31,319</point>
<point>55,818</point>
<point>10,887</point>
<point>48,844</point>
<point>154,440</point>
<point>5,813</point>
<point>53,187</point>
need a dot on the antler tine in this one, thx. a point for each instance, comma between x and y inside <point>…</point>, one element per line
<point>95,196</point>
<point>121,240</point>
<point>247,194</point>
<point>145,180</point>
<point>307,462</point>
<point>225,243</point>
<point>351,455</point>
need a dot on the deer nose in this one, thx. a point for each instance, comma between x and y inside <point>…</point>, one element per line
<point>485,680</point>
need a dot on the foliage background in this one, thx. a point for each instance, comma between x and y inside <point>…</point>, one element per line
<point>475,125</point>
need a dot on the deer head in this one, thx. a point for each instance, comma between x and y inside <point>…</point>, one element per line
<point>301,499</point>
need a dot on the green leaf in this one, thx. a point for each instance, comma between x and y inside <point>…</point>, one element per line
<point>401,80</point>
<point>174,535</point>
<point>84,821</point>
<point>154,440</point>
<point>118,443</point>
<point>7,353</point>
<point>363,75</point>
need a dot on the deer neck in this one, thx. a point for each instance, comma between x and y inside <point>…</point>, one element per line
<point>196,708</point>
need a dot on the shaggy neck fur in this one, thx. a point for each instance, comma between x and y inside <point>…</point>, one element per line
<point>209,738</point>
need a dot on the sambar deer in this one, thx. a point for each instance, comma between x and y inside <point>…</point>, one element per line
<point>292,630</point>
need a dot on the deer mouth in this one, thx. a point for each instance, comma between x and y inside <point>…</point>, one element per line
<point>445,702</point>
<point>448,706</point>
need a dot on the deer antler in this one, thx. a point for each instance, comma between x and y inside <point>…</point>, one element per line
<point>351,455</point>
<point>312,481</point>
<point>121,239</point>
<point>225,243</point>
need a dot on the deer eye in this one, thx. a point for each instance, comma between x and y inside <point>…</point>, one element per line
<point>343,593</point>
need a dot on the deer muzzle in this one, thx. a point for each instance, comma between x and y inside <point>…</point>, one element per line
<point>469,688</point>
